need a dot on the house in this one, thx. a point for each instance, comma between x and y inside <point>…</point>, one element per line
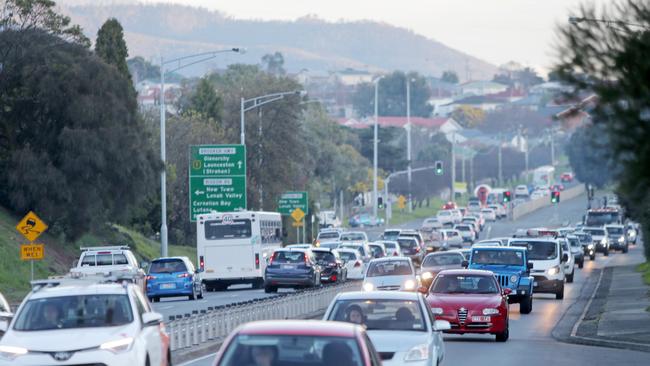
<point>481,88</point>
<point>350,77</point>
<point>433,125</point>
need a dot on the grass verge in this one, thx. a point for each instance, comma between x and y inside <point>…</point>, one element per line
<point>644,268</point>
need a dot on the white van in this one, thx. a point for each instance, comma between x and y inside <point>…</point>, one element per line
<point>548,260</point>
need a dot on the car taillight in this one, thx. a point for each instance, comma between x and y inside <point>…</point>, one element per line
<point>257,260</point>
<point>306,261</point>
<point>201,263</point>
<point>149,278</point>
<point>394,254</point>
<point>271,259</point>
<point>357,264</point>
<point>417,249</point>
<point>183,275</point>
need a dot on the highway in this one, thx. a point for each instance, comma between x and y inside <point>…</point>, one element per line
<point>531,341</point>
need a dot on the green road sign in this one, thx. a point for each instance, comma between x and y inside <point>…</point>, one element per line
<point>217,179</point>
<point>289,201</point>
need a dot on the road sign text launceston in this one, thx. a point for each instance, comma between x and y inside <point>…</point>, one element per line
<point>217,179</point>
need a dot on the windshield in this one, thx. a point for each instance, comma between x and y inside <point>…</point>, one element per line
<point>390,245</point>
<point>538,250</point>
<point>391,234</point>
<point>288,257</point>
<point>574,242</point>
<point>444,213</point>
<point>376,251</point>
<point>389,268</point>
<point>400,315</point>
<point>238,229</point>
<point>332,235</point>
<point>464,284</point>
<point>601,218</point>
<point>355,247</point>
<point>347,256</point>
<point>333,245</point>
<point>497,256</point>
<point>324,257</point>
<point>291,350</point>
<point>443,260</point>
<point>352,237</point>
<point>615,230</point>
<point>407,243</point>
<point>168,266</point>
<point>67,312</point>
<point>462,228</point>
<point>595,232</point>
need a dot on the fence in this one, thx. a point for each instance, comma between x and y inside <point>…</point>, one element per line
<point>531,206</point>
<point>216,323</point>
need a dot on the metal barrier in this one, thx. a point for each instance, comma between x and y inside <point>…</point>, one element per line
<point>216,323</point>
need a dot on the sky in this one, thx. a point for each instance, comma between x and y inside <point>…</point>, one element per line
<point>497,31</point>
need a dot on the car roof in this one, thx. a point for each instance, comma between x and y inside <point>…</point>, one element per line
<point>528,238</point>
<point>300,327</point>
<point>390,259</point>
<point>323,249</point>
<point>78,287</point>
<point>377,295</point>
<point>501,248</point>
<point>406,238</point>
<point>348,250</point>
<point>447,252</point>
<point>293,249</point>
<point>166,258</point>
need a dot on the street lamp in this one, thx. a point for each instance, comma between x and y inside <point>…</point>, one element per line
<point>408,137</point>
<point>375,141</point>
<point>181,62</point>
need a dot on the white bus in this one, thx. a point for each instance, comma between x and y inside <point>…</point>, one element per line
<point>233,247</point>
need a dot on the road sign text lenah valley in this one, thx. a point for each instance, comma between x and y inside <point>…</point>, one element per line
<point>217,179</point>
<point>289,201</point>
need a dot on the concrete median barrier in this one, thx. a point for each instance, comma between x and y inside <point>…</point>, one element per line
<point>534,205</point>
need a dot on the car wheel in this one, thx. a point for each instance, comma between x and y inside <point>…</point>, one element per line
<point>560,294</point>
<point>150,299</point>
<point>606,252</point>
<point>156,299</point>
<point>200,296</point>
<point>270,289</point>
<point>169,358</point>
<point>592,257</point>
<point>581,264</point>
<point>526,305</point>
<point>502,337</point>
<point>625,249</point>
<point>146,361</point>
<point>569,278</point>
<point>193,295</point>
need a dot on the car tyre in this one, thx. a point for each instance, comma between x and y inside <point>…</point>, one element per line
<point>560,294</point>
<point>592,257</point>
<point>200,295</point>
<point>193,295</point>
<point>606,252</point>
<point>526,305</point>
<point>581,264</point>
<point>569,277</point>
<point>156,299</point>
<point>169,357</point>
<point>502,337</point>
<point>270,289</point>
<point>625,249</point>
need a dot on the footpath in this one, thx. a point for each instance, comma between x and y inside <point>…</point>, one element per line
<point>614,312</point>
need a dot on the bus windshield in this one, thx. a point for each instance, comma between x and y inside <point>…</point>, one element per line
<point>602,218</point>
<point>238,229</point>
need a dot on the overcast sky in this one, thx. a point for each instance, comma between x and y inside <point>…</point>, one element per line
<point>494,30</point>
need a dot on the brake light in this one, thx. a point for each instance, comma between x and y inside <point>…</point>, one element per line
<point>417,249</point>
<point>201,263</point>
<point>272,258</point>
<point>306,260</point>
<point>183,275</point>
<point>357,264</point>
<point>394,254</point>
<point>257,260</point>
<point>149,278</point>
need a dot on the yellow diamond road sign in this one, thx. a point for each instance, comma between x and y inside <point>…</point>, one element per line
<point>298,214</point>
<point>401,202</point>
<point>31,226</point>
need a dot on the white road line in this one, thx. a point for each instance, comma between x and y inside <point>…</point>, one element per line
<point>584,312</point>
<point>198,359</point>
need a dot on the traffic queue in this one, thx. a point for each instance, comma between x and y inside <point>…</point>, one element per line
<point>413,287</point>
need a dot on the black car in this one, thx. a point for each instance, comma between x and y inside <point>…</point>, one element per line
<point>332,268</point>
<point>293,268</point>
<point>577,250</point>
<point>587,242</point>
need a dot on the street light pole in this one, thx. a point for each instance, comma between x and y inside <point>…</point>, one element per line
<point>408,139</point>
<point>190,60</point>
<point>375,145</point>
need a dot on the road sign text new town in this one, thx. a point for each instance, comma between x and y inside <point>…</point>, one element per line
<point>217,179</point>
<point>289,201</point>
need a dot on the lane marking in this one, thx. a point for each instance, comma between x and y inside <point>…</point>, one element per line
<point>574,331</point>
<point>198,359</point>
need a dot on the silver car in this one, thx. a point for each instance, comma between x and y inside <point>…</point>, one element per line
<point>400,325</point>
<point>390,274</point>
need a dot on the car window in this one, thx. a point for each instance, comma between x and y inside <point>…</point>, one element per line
<point>119,259</point>
<point>333,245</point>
<point>389,268</point>
<point>407,243</point>
<point>324,257</point>
<point>4,305</point>
<point>88,260</point>
<point>498,256</point>
<point>538,250</point>
<point>472,284</point>
<point>376,250</point>
<point>104,259</point>
<point>400,315</point>
<point>615,230</point>
<point>443,260</point>
<point>288,257</point>
<point>79,311</point>
<point>374,361</point>
<point>352,237</point>
<point>167,266</point>
<point>332,235</point>
<point>347,256</point>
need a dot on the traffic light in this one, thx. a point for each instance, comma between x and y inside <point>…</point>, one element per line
<point>555,197</point>
<point>380,202</point>
<point>507,196</point>
<point>439,167</point>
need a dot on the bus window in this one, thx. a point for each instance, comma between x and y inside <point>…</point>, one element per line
<point>239,229</point>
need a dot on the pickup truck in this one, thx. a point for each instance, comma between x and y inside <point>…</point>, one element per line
<point>116,260</point>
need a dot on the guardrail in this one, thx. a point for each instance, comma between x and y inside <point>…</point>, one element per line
<point>531,206</point>
<point>216,323</point>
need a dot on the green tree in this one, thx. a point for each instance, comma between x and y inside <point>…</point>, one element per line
<point>24,15</point>
<point>392,96</point>
<point>274,63</point>
<point>111,47</point>
<point>391,155</point>
<point>468,116</point>
<point>74,152</point>
<point>611,61</point>
<point>589,155</point>
<point>204,101</point>
<point>450,77</point>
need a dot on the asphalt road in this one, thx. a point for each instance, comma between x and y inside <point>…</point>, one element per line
<point>530,340</point>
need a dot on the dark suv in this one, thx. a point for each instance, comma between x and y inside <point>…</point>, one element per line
<point>291,268</point>
<point>332,269</point>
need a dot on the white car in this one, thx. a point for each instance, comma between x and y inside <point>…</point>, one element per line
<point>83,322</point>
<point>537,195</point>
<point>466,232</point>
<point>500,210</point>
<point>328,236</point>
<point>548,264</point>
<point>362,248</point>
<point>451,238</point>
<point>458,215</point>
<point>521,191</point>
<point>446,218</point>
<point>392,248</point>
<point>5,315</point>
<point>353,262</point>
<point>400,325</point>
<point>390,274</point>
<point>569,265</point>
<point>489,214</point>
<point>105,260</point>
<point>354,237</point>
<point>431,224</point>
<point>474,206</point>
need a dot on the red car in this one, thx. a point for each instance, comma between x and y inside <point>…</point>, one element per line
<point>292,342</point>
<point>472,301</point>
<point>566,177</point>
<point>449,206</point>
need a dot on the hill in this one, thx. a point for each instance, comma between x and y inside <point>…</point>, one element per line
<point>60,254</point>
<point>307,43</point>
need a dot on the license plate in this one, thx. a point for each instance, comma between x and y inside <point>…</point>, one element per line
<point>481,319</point>
<point>167,286</point>
<point>288,266</point>
<point>535,284</point>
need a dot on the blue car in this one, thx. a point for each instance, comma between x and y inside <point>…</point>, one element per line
<point>361,220</point>
<point>291,267</point>
<point>511,268</point>
<point>173,276</point>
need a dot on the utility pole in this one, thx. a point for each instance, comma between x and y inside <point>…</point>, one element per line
<point>453,167</point>
<point>408,138</point>
<point>341,207</point>
<point>500,176</point>
<point>552,147</point>
<point>374,161</point>
<point>259,147</point>
<point>471,174</point>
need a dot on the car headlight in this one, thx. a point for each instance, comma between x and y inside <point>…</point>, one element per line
<point>603,241</point>
<point>490,311</point>
<point>437,311</point>
<point>553,270</point>
<point>418,353</point>
<point>427,276</point>
<point>409,284</point>
<point>368,286</point>
<point>117,346</point>
<point>514,278</point>
<point>621,240</point>
<point>10,352</point>
<point>632,233</point>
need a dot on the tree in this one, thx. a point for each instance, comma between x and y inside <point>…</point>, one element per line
<point>590,158</point>
<point>391,155</point>
<point>25,15</point>
<point>392,96</point>
<point>611,62</point>
<point>450,77</point>
<point>468,116</point>
<point>72,146</point>
<point>111,47</point>
<point>274,63</point>
<point>204,101</point>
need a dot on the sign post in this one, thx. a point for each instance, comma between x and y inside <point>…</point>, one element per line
<point>217,175</point>
<point>31,227</point>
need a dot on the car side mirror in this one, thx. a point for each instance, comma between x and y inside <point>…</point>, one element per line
<point>565,257</point>
<point>151,319</point>
<point>440,325</point>
<point>423,290</point>
<point>529,265</point>
<point>5,319</point>
<point>507,291</point>
<point>465,264</point>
